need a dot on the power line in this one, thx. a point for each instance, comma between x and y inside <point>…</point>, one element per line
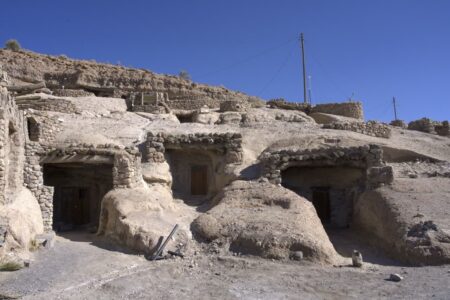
<point>249,58</point>
<point>283,64</point>
<point>324,72</point>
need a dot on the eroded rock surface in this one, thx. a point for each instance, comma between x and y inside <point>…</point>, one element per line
<point>266,220</point>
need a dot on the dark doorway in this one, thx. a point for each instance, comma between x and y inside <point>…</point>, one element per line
<point>321,202</point>
<point>72,206</point>
<point>185,117</point>
<point>199,180</point>
<point>78,191</point>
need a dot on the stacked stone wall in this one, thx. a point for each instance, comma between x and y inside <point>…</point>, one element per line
<point>283,104</point>
<point>227,144</point>
<point>443,130</point>
<point>126,168</point>
<point>126,162</point>
<point>11,146</point>
<point>153,109</point>
<point>371,128</point>
<point>430,126</point>
<point>45,104</point>
<point>72,93</point>
<point>398,123</point>
<point>346,109</point>
<point>193,103</point>
<point>231,105</point>
<point>368,157</point>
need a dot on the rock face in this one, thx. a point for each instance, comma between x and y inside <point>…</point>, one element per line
<point>22,221</point>
<point>412,234</point>
<point>137,218</point>
<point>142,172</point>
<point>253,217</point>
<point>111,80</point>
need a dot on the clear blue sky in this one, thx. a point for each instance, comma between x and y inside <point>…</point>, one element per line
<point>374,49</point>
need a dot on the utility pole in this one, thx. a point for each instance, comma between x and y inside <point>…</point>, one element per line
<point>395,108</point>
<point>302,42</point>
<point>309,90</point>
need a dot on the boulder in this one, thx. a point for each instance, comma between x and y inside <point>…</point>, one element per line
<point>137,218</point>
<point>157,173</point>
<point>21,222</point>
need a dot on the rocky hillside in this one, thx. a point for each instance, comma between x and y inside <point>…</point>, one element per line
<point>105,79</point>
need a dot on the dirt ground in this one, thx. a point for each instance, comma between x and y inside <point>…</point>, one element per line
<point>82,266</point>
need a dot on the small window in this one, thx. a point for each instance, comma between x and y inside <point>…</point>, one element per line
<point>33,129</point>
<point>11,129</point>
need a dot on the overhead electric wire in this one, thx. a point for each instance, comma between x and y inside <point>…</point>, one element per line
<point>249,58</point>
<point>285,61</point>
<point>327,75</point>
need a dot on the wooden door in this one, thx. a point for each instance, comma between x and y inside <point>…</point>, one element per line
<point>74,203</point>
<point>321,202</point>
<point>199,180</point>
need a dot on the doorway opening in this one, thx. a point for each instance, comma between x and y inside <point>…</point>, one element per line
<point>199,180</point>
<point>185,116</point>
<point>332,190</point>
<point>321,202</point>
<point>78,191</point>
<point>193,176</point>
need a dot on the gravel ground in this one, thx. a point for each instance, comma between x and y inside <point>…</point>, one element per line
<point>81,266</point>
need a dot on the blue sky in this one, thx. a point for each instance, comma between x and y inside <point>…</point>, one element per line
<point>372,49</point>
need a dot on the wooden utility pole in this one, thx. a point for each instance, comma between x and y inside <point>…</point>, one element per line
<point>302,42</point>
<point>395,108</point>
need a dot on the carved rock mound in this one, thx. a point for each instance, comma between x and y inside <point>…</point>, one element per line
<point>266,220</point>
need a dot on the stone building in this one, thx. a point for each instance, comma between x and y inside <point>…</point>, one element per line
<point>198,162</point>
<point>331,177</point>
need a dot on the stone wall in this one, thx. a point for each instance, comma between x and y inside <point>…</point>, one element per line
<point>443,129</point>
<point>72,93</point>
<point>346,109</point>
<point>283,104</point>
<point>371,128</point>
<point>424,125</point>
<point>430,126</point>
<point>226,144</point>
<point>153,109</point>
<point>11,147</point>
<point>125,161</point>
<point>230,105</point>
<point>364,157</point>
<point>213,155</point>
<point>398,123</point>
<point>126,168</point>
<point>45,104</point>
<point>193,103</point>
